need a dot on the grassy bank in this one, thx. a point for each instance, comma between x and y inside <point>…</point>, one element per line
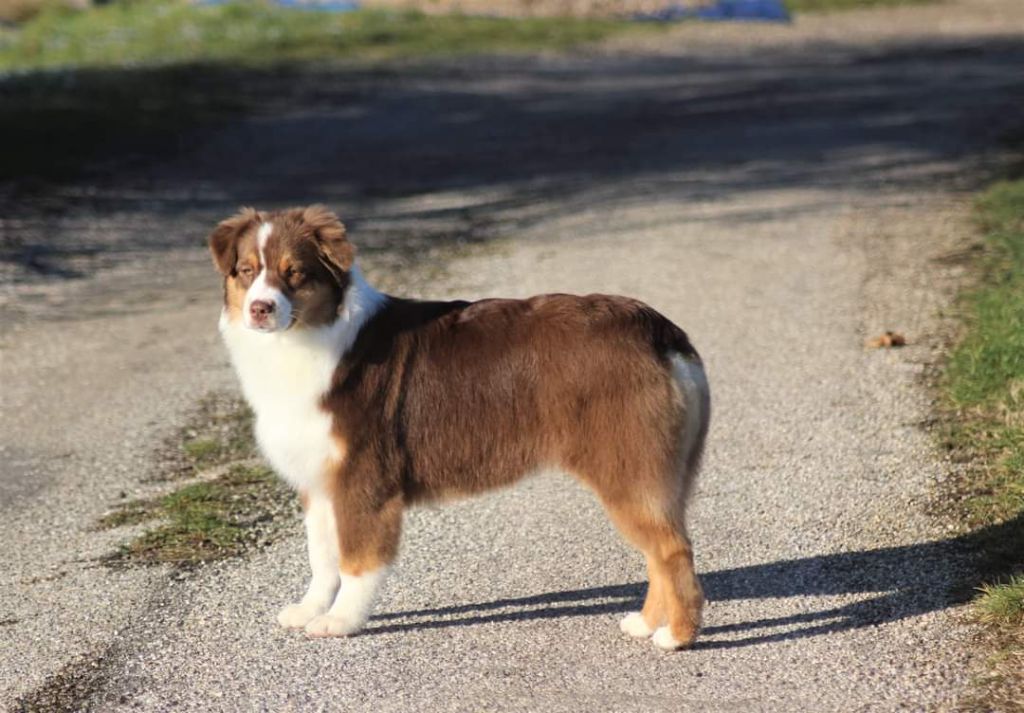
<point>160,32</point>
<point>984,393</point>
<point>255,34</point>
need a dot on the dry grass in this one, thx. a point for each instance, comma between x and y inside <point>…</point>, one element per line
<point>15,11</point>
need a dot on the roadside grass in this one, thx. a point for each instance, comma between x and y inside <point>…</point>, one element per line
<point>255,34</point>
<point>1003,604</point>
<point>983,392</point>
<point>208,520</point>
<point>230,504</point>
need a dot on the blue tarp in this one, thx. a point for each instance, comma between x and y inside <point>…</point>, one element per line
<point>738,10</point>
<point>325,5</point>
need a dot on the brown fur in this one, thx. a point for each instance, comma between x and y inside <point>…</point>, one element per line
<point>441,399</point>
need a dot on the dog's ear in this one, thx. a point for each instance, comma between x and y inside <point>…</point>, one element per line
<point>337,253</point>
<point>224,239</point>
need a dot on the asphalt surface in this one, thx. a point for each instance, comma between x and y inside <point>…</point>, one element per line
<point>782,193</point>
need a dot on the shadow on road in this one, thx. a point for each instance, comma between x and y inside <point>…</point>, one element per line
<point>908,581</point>
<point>129,162</point>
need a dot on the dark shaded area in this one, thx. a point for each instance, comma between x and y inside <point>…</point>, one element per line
<point>60,126</point>
<point>909,580</point>
<point>99,164</point>
<point>73,685</point>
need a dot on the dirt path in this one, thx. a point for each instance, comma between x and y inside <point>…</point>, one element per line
<point>781,202</point>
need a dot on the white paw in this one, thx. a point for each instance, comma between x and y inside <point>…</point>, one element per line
<point>634,625</point>
<point>333,625</point>
<point>663,639</point>
<point>296,616</point>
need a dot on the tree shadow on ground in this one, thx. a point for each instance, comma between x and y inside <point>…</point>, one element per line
<point>476,149</point>
<point>906,581</point>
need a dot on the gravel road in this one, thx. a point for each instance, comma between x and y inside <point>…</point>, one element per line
<point>782,193</point>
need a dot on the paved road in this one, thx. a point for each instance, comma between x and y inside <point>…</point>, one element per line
<point>781,193</point>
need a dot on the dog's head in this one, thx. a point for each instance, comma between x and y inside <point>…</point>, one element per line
<point>284,269</point>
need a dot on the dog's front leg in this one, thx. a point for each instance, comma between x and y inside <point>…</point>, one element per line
<point>322,543</point>
<point>368,536</point>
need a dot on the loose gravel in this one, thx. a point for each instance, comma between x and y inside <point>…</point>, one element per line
<point>782,201</point>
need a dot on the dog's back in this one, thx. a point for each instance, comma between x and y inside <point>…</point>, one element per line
<point>467,396</point>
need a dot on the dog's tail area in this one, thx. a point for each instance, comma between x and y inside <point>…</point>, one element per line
<point>688,373</point>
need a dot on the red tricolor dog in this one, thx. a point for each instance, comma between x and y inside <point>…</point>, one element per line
<point>367,404</point>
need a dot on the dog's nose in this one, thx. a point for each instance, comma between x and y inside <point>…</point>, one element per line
<point>259,310</point>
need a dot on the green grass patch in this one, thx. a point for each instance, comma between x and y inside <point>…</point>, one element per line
<point>130,513</point>
<point>154,32</point>
<point>205,521</point>
<point>128,33</point>
<point>983,394</point>
<point>984,380</point>
<point>201,449</point>
<point>243,507</point>
<point>1003,604</point>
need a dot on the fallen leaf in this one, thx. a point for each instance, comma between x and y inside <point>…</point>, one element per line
<point>886,341</point>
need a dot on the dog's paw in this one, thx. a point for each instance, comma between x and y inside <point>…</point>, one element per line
<point>664,640</point>
<point>296,616</point>
<point>332,625</point>
<point>634,625</point>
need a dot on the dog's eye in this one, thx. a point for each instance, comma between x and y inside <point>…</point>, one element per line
<point>245,271</point>
<point>294,276</point>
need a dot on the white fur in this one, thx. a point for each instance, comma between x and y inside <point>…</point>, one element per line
<point>352,606</point>
<point>361,303</point>
<point>322,542</point>
<point>281,317</point>
<point>285,373</point>
<point>663,639</point>
<point>634,625</point>
<point>262,236</point>
<point>696,395</point>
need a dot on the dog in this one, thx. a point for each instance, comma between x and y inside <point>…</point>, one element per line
<point>367,403</point>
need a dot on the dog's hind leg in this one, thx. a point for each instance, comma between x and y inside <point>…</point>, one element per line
<point>684,596</point>
<point>674,594</point>
<point>643,623</point>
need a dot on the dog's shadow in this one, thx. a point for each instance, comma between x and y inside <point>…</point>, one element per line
<point>906,581</point>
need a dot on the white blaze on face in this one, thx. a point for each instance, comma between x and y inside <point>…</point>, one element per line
<point>260,291</point>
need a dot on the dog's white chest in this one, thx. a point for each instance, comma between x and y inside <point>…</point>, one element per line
<point>298,443</point>
<point>284,377</point>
